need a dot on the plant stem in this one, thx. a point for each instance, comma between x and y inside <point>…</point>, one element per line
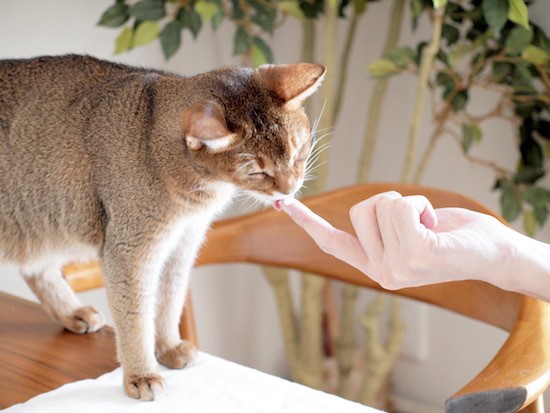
<point>428,56</point>
<point>346,341</point>
<point>311,350</point>
<point>379,93</point>
<point>278,279</point>
<point>308,42</point>
<point>344,65</point>
<point>381,358</point>
<point>441,121</point>
<point>312,285</point>
<point>308,49</point>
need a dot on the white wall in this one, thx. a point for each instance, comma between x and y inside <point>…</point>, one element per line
<point>235,308</point>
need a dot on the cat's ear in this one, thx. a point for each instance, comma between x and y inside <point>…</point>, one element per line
<point>293,83</point>
<point>204,125</point>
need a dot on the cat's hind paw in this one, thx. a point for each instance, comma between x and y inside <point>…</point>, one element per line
<point>148,387</point>
<point>83,320</point>
<point>179,356</point>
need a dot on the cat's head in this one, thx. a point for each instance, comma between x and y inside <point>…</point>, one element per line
<point>254,131</point>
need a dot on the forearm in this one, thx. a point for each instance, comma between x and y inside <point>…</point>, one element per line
<point>525,267</point>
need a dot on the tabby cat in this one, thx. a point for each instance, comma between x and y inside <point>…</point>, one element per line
<point>131,165</point>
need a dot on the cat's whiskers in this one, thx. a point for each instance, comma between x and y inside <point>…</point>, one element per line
<point>318,141</point>
<point>318,120</point>
<point>314,156</point>
<point>249,155</point>
<point>316,151</point>
<point>197,189</point>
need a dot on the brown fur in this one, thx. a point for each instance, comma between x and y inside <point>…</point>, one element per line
<point>131,165</point>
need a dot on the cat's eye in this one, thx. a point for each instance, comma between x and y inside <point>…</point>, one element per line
<point>260,174</point>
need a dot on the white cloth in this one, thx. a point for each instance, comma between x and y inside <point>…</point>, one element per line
<point>211,385</point>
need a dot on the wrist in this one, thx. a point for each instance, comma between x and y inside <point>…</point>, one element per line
<point>526,266</point>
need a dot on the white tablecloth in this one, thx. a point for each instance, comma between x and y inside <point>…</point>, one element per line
<point>211,385</point>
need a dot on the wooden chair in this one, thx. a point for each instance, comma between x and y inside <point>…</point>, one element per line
<point>514,379</point>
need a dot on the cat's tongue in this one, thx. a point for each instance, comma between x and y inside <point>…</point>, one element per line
<point>278,204</point>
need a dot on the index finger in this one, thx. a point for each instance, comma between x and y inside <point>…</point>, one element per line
<point>331,240</point>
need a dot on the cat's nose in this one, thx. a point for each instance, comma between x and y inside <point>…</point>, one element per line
<point>289,186</point>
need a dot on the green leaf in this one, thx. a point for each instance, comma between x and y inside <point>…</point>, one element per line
<point>501,70</point>
<point>531,153</point>
<point>359,6</point>
<point>522,77</point>
<point>480,38</point>
<point>241,42</point>
<point>460,100</point>
<point>189,18</point>
<point>539,198</point>
<point>536,195</point>
<point>148,10</point>
<point>510,202</point>
<point>540,39</point>
<point>417,8</point>
<point>332,4</point>
<point>529,223</point>
<point>470,134</point>
<point>145,33</point>
<point>535,55</point>
<point>261,52</point>
<point>265,18</point>
<point>541,213</point>
<point>528,175</point>
<point>170,38</point>
<point>446,80</point>
<point>450,33</point>
<point>114,16</point>
<point>517,40</point>
<point>292,8</point>
<point>382,68</point>
<point>237,12</point>
<point>439,3</point>
<point>543,128</point>
<point>442,56</point>
<point>206,9</point>
<point>496,14</point>
<point>123,41</point>
<point>217,20</point>
<point>457,53</point>
<point>401,56</point>
<point>518,13</point>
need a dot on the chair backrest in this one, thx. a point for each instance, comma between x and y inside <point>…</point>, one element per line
<point>513,380</point>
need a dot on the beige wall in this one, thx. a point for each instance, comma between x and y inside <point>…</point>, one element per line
<point>235,309</point>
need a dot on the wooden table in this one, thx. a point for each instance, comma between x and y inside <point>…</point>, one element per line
<point>37,355</point>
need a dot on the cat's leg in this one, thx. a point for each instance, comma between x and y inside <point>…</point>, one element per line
<point>171,350</point>
<point>131,280</point>
<point>61,302</point>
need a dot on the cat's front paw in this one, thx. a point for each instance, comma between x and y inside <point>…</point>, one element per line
<point>83,320</point>
<point>179,356</point>
<point>147,387</point>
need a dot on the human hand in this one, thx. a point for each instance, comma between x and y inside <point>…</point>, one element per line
<point>403,242</point>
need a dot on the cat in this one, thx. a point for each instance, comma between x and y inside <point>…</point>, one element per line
<point>131,165</point>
